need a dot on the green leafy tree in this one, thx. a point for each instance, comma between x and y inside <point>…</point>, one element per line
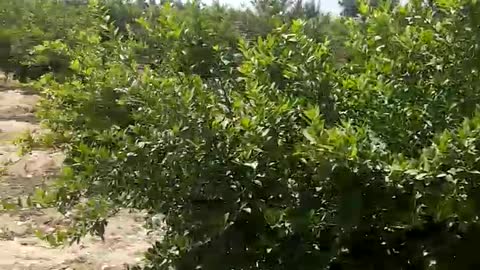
<point>270,152</point>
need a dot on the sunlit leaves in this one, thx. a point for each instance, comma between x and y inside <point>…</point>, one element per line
<point>269,154</point>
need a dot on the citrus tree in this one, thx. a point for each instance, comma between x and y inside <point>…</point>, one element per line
<point>269,153</point>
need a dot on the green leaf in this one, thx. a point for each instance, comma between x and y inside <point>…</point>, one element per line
<point>245,122</point>
<point>75,65</point>
<point>308,136</point>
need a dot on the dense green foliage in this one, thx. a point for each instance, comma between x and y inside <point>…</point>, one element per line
<point>25,24</point>
<point>351,8</point>
<point>261,146</point>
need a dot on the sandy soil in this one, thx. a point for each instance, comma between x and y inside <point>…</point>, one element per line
<point>125,239</point>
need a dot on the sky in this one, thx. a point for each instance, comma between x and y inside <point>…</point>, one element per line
<point>325,5</point>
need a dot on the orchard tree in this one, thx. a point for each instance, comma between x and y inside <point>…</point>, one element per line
<point>265,151</point>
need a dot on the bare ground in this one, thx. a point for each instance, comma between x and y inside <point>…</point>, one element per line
<point>125,239</point>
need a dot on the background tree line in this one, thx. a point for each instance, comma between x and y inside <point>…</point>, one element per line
<point>51,20</point>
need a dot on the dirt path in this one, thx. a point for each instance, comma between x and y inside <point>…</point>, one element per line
<point>125,239</point>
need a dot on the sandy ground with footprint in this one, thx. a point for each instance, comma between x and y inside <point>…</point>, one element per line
<point>125,239</point>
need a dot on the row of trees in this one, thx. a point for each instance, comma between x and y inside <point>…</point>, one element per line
<point>51,20</point>
<point>274,140</point>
